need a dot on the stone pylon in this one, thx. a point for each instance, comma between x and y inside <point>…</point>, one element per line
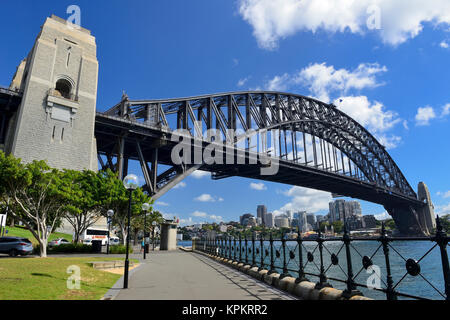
<point>426,213</point>
<point>58,79</point>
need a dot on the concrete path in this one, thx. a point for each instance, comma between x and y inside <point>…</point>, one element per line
<point>179,275</point>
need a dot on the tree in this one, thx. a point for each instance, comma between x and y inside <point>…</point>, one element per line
<point>338,226</point>
<point>116,197</point>
<point>36,196</point>
<point>81,190</point>
<point>324,225</point>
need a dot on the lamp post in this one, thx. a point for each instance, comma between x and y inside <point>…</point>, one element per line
<point>153,234</point>
<point>110,214</point>
<point>130,183</point>
<point>145,208</point>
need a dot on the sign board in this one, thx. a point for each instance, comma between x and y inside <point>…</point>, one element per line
<point>2,220</point>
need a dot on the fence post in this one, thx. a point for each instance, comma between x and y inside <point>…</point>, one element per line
<point>262,255</point>
<point>442,241</point>
<point>253,250</point>
<point>301,271</point>
<point>285,268</point>
<point>240,247</point>
<point>272,264</point>
<point>323,277</point>
<point>351,287</point>
<point>234,248</point>
<point>246,250</point>
<point>390,294</point>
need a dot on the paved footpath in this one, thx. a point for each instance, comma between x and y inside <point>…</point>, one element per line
<point>179,275</point>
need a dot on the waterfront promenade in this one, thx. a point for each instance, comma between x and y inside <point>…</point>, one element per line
<point>179,275</point>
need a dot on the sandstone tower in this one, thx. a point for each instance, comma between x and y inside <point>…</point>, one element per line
<point>58,79</point>
<point>427,218</point>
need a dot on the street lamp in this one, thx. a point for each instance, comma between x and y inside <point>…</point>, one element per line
<point>110,214</point>
<point>145,208</point>
<point>130,183</point>
<point>153,234</point>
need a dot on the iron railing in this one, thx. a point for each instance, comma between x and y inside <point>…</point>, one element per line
<point>304,258</point>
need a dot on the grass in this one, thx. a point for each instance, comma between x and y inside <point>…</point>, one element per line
<point>46,279</point>
<point>24,233</point>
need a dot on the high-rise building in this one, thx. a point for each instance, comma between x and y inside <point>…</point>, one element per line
<point>302,220</point>
<point>261,211</point>
<point>337,209</point>
<point>311,220</point>
<point>340,207</point>
<point>268,220</point>
<point>353,208</point>
<point>245,219</point>
<point>370,221</point>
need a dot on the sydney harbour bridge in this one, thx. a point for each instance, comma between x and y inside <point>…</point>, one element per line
<point>270,136</point>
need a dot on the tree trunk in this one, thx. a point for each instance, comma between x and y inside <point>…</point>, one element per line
<point>43,248</point>
<point>124,235</point>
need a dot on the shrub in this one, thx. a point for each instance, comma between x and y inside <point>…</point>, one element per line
<point>120,249</point>
<point>72,248</point>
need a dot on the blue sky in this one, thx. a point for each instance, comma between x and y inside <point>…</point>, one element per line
<point>391,73</point>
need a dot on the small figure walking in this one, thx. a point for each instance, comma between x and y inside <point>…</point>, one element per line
<point>143,245</point>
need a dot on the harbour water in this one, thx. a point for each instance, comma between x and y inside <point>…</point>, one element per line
<point>426,284</point>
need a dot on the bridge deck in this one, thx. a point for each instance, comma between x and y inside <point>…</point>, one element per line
<point>181,275</point>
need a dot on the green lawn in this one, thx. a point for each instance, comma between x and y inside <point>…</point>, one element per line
<point>24,233</point>
<point>46,279</point>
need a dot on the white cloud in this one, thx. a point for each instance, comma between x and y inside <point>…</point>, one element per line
<point>278,83</point>
<point>186,222</point>
<point>322,80</point>
<point>444,44</point>
<point>370,115</point>
<point>208,198</point>
<point>198,174</point>
<point>180,185</point>
<point>383,216</point>
<point>243,81</point>
<point>199,214</point>
<point>162,204</point>
<point>325,81</point>
<point>258,186</point>
<point>400,20</point>
<point>207,216</point>
<point>444,194</point>
<point>216,218</point>
<point>446,110</point>
<point>424,115</point>
<point>442,210</point>
<point>373,117</point>
<point>205,198</point>
<point>306,199</point>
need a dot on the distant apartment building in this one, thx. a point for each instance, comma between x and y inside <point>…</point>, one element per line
<point>244,219</point>
<point>311,220</point>
<point>268,220</point>
<point>339,208</point>
<point>259,221</point>
<point>302,221</point>
<point>370,222</point>
<point>261,212</point>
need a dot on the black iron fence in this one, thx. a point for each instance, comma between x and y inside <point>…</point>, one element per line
<point>389,273</point>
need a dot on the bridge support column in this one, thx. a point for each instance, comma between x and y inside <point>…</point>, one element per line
<point>406,220</point>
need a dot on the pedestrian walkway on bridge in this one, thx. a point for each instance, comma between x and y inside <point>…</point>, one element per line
<point>179,275</point>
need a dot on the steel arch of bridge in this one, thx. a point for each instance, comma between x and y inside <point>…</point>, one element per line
<point>354,152</point>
